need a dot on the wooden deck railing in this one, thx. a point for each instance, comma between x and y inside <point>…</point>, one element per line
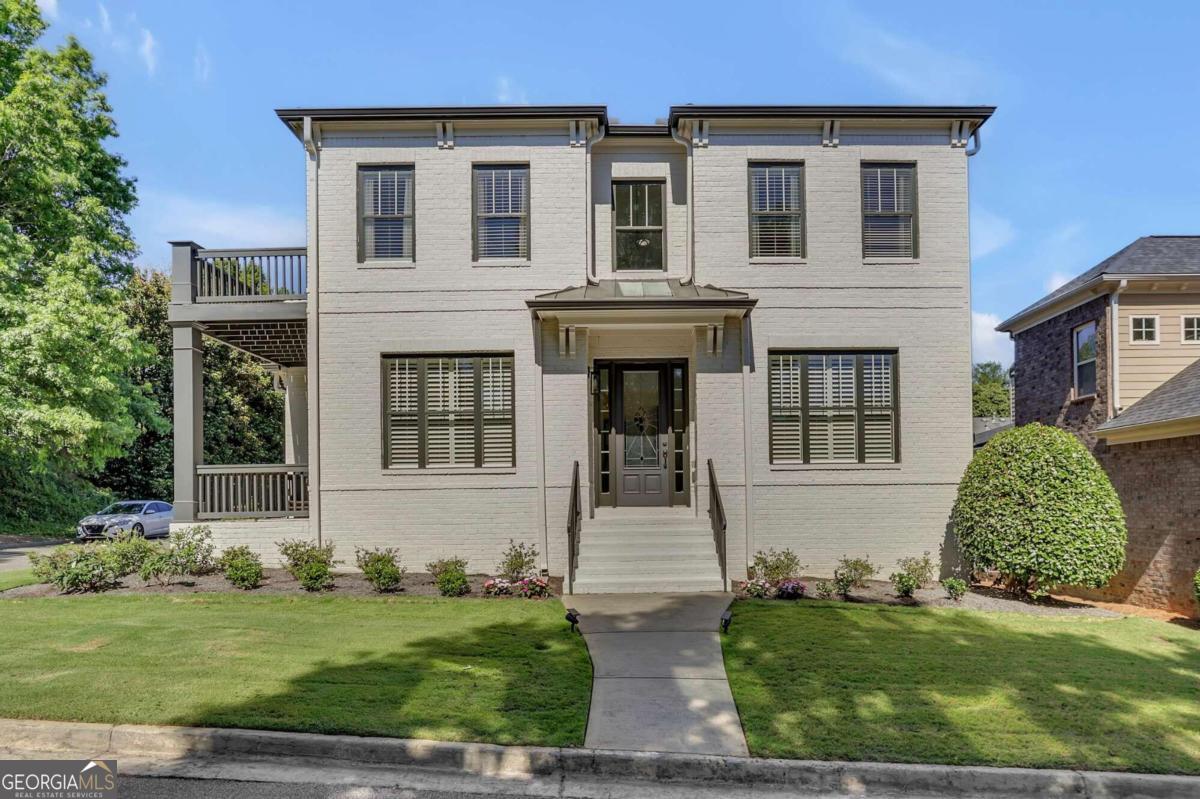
<point>246,492</point>
<point>270,274</point>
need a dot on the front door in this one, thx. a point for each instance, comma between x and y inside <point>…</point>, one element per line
<point>641,434</point>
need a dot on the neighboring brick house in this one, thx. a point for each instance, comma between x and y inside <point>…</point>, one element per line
<point>1114,357</point>
<point>762,305</point>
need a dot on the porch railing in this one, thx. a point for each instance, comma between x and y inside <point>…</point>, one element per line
<point>574,519</point>
<point>270,274</point>
<point>267,491</point>
<point>716,514</point>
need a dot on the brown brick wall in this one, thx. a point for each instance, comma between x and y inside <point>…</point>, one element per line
<point>1158,481</point>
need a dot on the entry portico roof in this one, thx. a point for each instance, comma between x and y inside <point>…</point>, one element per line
<point>643,295</point>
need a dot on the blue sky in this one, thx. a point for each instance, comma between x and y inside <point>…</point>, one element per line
<point>1094,143</point>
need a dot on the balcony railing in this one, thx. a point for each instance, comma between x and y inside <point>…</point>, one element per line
<point>270,274</point>
<point>259,492</point>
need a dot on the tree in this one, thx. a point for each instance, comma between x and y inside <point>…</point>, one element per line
<point>989,390</point>
<point>67,351</point>
<point>243,414</point>
<point>1035,506</point>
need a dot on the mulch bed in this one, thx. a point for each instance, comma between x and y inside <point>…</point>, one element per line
<point>276,581</point>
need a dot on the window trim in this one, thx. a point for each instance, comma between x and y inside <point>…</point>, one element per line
<point>422,419</point>
<point>1077,363</point>
<point>360,209</point>
<point>1145,342</point>
<point>1183,339</point>
<point>612,212</point>
<point>750,212</point>
<point>501,260</point>
<point>859,410</point>
<point>915,214</point>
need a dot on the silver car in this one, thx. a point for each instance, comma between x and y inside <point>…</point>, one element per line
<point>145,517</point>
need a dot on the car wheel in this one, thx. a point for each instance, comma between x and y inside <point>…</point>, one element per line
<point>139,530</point>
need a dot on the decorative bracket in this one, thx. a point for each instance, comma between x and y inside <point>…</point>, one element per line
<point>960,133</point>
<point>830,132</point>
<point>700,133</point>
<point>580,131</point>
<point>714,339</point>
<point>445,135</point>
<point>566,341</point>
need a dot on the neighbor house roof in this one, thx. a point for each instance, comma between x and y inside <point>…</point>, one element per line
<point>1170,409</point>
<point>1149,256</point>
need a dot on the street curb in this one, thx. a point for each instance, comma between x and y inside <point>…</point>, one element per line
<point>176,744</point>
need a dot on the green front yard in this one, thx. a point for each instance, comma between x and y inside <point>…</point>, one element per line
<point>506,672</point>
<point>16,578</point>
<point>832,681</point>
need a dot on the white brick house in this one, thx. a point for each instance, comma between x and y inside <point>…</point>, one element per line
<point>490,296</point>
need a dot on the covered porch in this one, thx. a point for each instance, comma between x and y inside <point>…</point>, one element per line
<point>253,300</point>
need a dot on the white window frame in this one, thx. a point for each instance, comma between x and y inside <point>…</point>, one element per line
<point>1145,342</point>
<point>1183,320</point>
<point>1077,363</point>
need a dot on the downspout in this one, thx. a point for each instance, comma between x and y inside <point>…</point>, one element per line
<point>314,337</point>
<point>590,207</point>
<point>978,142</point>
<point>690,255</point>
<point>1114,348</point>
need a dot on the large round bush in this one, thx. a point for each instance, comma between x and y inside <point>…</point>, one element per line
<point>1035,506</point>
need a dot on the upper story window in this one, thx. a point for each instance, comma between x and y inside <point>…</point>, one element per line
<point>638,225</point>
<point>448,410</point>
<point>833,407</point>
<point>889,202</point>
<point>501,211</point>
<point>1143,329</point>
<point>385,205</point>
<point>1190,329</point>
<point>776,210</point>
<point>1084,347</point>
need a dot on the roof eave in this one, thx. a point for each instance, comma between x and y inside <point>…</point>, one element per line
<point>294,117</point>
<point>645,304</point>
<point>976,113</point>
<point>1149,431</point>
<point>1037,313</point>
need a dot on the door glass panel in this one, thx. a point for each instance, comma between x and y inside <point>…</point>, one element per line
<point>641,400</point>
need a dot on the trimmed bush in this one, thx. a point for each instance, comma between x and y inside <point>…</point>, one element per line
<point>1035,506</point>
<point>905,583</point>
<point>381,568</point>
<point>242,568</point>
<point>74,568</point>
<point>775,567</point>
<point>758,588</point>
<point>518,561</point>
<point>956,588</point>
<point>533,588</point>
<point>192,548</point>
<point>856,570</point>
<point>159,567</point>
<point>314,575</point>
<point>920,569</point>
<point>497,586</point>
<point>453,582</point>
<point>310,564</point>
<point>128,552</point>
<point>436,567</point>
<point>790,589</point>
<point>824,589</point>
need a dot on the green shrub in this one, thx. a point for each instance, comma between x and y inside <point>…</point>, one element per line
<point>856,570</point>
<point>452,581</point>
<point>905,583</point>
<point>517,562</point>
<point>192,549</point>
<point>1035,506</point>
<point>920,569</point>
<point>159,567</point>
<point>843,582</point>
<point>381,568</point>
<point>242,568</point>
<point>824,589</point>
<point>436,567</point>
<point>310,564</point>
<point>128,552</point>
<point>74,568</point>
<point>956,588</point>
<point>44,498</point>
<point>775,567</point>
<point>1196,586</point>
<point>314,575</point>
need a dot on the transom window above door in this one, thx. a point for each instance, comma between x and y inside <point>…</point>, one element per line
<point>638,225</point>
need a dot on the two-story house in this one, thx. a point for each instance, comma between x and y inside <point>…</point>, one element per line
<point>648,350</point>
<point>1114,357</point>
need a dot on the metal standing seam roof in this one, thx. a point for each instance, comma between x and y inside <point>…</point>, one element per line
<point>1149,255</point>
<point>1174,400</point>
<point>641,293</point>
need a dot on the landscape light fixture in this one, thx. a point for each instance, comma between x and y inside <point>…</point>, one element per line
<point>573,617</point>
<point>726,618</point>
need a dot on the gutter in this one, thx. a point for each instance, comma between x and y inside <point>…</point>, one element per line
<point>690,252</point>
<point>589,215</point>
<point>1114,348</point>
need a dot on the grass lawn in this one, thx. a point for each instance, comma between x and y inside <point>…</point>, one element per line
<point>16,579</point>
<point>506,672</point>
<point>832,681</point>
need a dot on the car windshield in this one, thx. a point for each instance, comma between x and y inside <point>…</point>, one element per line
<point>123,507</point>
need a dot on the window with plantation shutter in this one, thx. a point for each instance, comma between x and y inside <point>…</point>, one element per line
<point>501,211</point>
<point>776,210</point>
<point>889,201</point>
<point>386,209</point>
<point>833,407</point>
<point>449,411</point>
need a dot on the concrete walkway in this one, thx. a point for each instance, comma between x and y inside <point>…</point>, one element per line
<point>16,557</point>
<point>659,678</point>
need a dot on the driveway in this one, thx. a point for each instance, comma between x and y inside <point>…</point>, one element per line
<point>14,551</point>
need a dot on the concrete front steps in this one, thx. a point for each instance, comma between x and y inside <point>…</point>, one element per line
<point>646,550</point>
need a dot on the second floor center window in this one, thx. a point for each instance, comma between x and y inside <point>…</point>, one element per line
<point>889,202</point>
<point>386,205</point>
<point>638,225</point>
<point>776,210</point>
<point>502,211</point>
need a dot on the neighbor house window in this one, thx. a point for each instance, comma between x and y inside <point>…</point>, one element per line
<point>776,210</point>
<point>638,225</point>
<point>501,211</point>
<point>385,204</point>
<point>1085,359</point>
<point>448,410</point>
<point>889,202</point>
<point>1191,329</point>
<point>1143,329</point>
<point>833,407</point>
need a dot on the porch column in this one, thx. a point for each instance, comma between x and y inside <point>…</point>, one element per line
<point>295,414</point>
<point>189,418</point>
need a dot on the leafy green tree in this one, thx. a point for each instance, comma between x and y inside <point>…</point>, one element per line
<point>989,390</point>
<point>67,351</point>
